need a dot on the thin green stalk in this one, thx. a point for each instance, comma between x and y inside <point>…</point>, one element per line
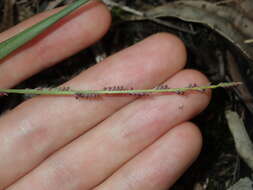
<point>87,93</point>
<point>20,39</point>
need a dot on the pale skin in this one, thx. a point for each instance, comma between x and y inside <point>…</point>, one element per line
<point>51,143</point>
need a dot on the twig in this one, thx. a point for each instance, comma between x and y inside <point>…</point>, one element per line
<point>143,15</point>
<point>7,20</point>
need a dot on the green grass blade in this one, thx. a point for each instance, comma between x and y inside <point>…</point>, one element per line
<point>20,39</point>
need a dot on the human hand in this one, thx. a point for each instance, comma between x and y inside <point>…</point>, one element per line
<point>49,143</point>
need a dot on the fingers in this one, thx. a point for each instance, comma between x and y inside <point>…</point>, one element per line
<point>40,126</point>
<point>159,165</point>
<point>68,36</point>
<point>100,152</point>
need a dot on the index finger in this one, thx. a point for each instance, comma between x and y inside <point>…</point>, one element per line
<point>68,36</point>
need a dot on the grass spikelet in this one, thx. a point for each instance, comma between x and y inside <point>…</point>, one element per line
<point>116,90</point>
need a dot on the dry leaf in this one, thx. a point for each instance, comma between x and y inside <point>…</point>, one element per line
<point>234,24</point>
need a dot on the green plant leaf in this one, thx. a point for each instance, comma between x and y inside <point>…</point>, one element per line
<point>20,39</point>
